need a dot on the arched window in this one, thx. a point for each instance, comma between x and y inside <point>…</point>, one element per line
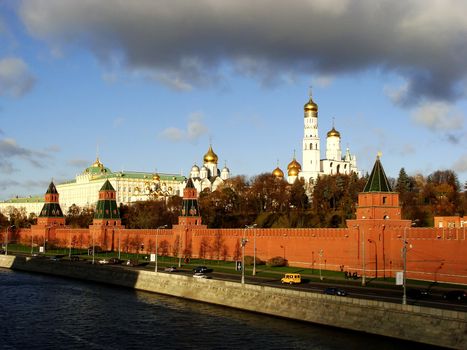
<point>311,146</point>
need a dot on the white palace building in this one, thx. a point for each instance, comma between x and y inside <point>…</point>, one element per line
<point>130,186</point>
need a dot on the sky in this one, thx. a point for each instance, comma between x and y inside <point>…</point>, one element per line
<point>147,85</point>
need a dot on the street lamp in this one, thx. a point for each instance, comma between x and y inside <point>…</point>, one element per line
<point>6,238</point>
<point>376,257</point>
<point>244,242</point>
<point>320,256</point>
<point>157,247</point>
<point>404,256</point>
<point>254,247</point>
<point>93,247</point>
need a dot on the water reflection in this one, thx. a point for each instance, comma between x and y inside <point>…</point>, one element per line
<point>45,312</point>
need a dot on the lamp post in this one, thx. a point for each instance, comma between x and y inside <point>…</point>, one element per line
<point>254,247</point>
<point>6,238</point>
<point>363,258</point>
<point>69,254</point>
<point>376,257</point>
<point>119,236</point>
<point>32,244</point>
<point>93,247</point>
<point>320,256</point>
<point>244,242</point>
<point>157,246</point>
<point>404,256</point>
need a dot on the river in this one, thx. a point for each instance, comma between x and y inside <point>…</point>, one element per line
<point>46,312</point>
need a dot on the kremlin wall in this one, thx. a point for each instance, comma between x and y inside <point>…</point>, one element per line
<point>371,244</point>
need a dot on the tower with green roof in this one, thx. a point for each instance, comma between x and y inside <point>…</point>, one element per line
<point>51,213</point>
<point>378,200</point>
<point>190,210</point>
<point>107,213</point>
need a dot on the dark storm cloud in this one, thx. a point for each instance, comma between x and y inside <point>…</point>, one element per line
<point>186,43</point>
<point>9,149</point>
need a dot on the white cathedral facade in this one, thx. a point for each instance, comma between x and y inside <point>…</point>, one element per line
<point>335,162</point>
<point>209,176</point>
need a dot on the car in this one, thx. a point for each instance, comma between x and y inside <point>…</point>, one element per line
<point>103,261</point>
<point>202,269</point>
<point>55,258</point>
<point>131,263</point>
<point>456,295</point>
<point>291,278</point>
<point>201,275</point>
<point>114,261</point>
<point>74,258</point>
<point>170,269</point>
<point>335,291</point>
<point>415,293</point>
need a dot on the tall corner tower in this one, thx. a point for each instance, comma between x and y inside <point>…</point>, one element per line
<point>51,213</point>
<point>190,210</point>
<point>311,165</point>
<point>107,213</point>
<point>378,201</point>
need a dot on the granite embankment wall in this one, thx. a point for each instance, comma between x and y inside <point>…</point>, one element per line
<point>432,326</point>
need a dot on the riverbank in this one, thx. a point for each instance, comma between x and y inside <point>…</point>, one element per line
<point>414,323</point>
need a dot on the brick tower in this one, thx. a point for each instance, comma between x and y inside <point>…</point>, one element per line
<point>190,210</point>
<point>378,215</point>
<point>51,213</point>
<point>106,218</point>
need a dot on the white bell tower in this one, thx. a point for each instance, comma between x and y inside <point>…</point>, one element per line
<point>311,165</point>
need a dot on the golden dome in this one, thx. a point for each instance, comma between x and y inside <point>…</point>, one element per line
<point>210,156</point>
<point>278,173</point>
<point>333,132</point>
<point>310,106</point>
<point>97,164</point>
<point>156,177</point>
<point>293,168</point>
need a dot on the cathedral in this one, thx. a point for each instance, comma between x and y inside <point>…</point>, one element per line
<point>313,166</point>
<point>209,176</point>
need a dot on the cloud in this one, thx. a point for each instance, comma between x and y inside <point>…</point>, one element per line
<point>194,130</point>
<point>79,163</point>
<point>10,149</point>
<point>184,44</point>
<point>15,78</point>
<point>460,165</point>
<point>5,184</point>
<point>438,116</point>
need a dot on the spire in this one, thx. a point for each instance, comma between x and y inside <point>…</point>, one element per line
<point>377,182</point>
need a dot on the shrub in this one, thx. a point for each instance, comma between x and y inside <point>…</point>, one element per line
<point>277,261</point>
<point>249,260</point>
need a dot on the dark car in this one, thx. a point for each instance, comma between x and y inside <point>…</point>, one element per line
<point>335,291</point>
<point>74,258</point>
<point>201,269</point>
<point>456,295</point>
<point>113,261</point>
<point>414,293</point>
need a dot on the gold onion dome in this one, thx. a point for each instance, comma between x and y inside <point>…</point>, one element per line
<point>210,156</point>
<point>310,106</point>
<point>293,168</point>
<point>333,132</point>
<point>97,164</point>
<point>156,177</point>
<point>278,173</point>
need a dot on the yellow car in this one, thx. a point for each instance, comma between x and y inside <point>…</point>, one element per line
<point>292,278</point>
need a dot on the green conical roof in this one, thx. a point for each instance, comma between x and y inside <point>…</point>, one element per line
<point>107,208</point>
<point>378,182</point>
<point>51,210</point>
<point>107,186</point>
<point>52,189</point>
